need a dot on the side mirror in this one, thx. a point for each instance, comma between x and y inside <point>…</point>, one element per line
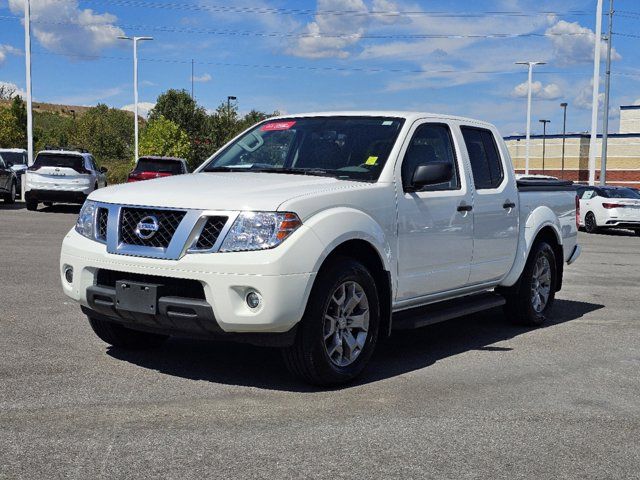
<point>104,169</point>
<point>431,173</point>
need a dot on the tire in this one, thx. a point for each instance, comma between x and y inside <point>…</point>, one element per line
<point>11,197</point>
<point>32,205</point>
<point>637,232</point>
<point>521,304</point>
<point>590,225</point>
<point>323,358</point>
<point>125,338</point>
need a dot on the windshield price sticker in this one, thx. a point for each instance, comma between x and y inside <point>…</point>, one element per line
<point>274,126</point>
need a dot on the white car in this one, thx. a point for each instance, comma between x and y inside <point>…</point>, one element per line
<point>18,158</point>
<point>66,176</point>
<point>609,207</point>
<point>320,234</point>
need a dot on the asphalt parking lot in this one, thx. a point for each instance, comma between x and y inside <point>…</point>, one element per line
<point>472,398</point>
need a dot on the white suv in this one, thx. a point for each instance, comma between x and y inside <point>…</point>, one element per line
<point>66,176</point>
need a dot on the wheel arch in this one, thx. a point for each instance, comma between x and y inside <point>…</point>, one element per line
<point>542,223</point>
<point>365,253</point>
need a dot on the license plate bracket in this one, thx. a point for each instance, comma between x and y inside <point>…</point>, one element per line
<point>137,296</point>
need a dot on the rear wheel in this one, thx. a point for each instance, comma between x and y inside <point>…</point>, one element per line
<point>32,205</point>
<point>122,337</point>
<point>590,225</point>
<point>339,330</point>
<point>637,232</point>
<point>530,301</point>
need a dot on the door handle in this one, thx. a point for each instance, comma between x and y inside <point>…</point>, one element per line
<point>508,204</point>
<point>465,208</point>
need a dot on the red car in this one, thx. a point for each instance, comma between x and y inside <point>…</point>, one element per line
<point>155,167</point>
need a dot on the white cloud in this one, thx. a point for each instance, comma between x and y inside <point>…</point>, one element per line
<point>584,98</point>
<point>573,44</point>
<point>550,91</point>
<point>331,35</point>
<point>63,27</point>
<point>8,49</point>
<point>202,78</point>
<point>13,89</point>
<point>143,108</point>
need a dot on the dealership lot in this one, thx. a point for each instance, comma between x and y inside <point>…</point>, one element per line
<point>472,398</point>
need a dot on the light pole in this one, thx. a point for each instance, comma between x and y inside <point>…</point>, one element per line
<point>229,98</point>
<point>544,139</point>
<point>564,134</point>
<point>530,65</point>
<point>135,41</point>
<point>593,139</point>
<point>605,113</point>
<point>27,51</point>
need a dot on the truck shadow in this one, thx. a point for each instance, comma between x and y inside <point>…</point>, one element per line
<point>406,351</point>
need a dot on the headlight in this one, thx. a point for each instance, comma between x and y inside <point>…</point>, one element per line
<point>259,231</point>
<point>86,219</point>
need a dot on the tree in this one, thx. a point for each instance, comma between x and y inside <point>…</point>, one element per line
<point>10,134</point>
<point>178,107</point>
<point>106,132</point>
<point>165,138</point>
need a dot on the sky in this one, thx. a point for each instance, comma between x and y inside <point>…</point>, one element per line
<point>451,57</point>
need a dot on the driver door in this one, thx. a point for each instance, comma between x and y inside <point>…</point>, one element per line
<point>435,224</point>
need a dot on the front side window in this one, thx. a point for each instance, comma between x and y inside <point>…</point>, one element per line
<point>486,164</point>
<point>430,143</point>
<point>349,148</point>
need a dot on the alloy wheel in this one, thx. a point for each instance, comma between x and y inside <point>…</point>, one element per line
<point>346,323</point>
<point>541,284</point>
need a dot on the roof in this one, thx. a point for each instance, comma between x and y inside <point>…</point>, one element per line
<point>65,152</point>
<point>157,157</point>
<point>17,150</point>
<point>408,115</point>
<point>629,107</point>
<point>571,135</point>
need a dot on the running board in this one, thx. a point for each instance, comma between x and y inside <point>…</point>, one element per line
<point>442,311</point>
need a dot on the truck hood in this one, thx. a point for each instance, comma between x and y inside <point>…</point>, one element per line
<point>221,190</point>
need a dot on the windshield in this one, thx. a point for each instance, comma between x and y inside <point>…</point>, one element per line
<point>621,193</point>
<point>17,158</point>
<point>350,148</point>
<point>156,165</point>
<point>58,160</point>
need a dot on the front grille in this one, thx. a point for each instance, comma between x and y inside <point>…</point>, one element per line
<point>210,233</point>
<point>171,287</point>
<point>167,221</point>
<point>101,224</point>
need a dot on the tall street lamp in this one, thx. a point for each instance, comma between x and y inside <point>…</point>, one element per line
<point>229,98</point>
<point>564,134</point>
<point>135,41</point>
<point>530,65</point>
<point>544,139</point>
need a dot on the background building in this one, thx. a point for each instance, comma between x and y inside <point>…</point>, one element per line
<point>623,158</point>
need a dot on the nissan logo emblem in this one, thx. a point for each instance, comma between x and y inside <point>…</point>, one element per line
<point>147,227</point>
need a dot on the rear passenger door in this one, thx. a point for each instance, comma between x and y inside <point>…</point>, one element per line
<point>435,224</point>
<point>495,207</point>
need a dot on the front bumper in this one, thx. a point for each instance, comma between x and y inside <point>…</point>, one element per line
<point>226,279</point>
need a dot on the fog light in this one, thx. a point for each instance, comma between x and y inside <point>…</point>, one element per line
<point>68,274</point>
<point>253,300</point>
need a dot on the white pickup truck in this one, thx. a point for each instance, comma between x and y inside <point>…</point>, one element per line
<point>321,233</point>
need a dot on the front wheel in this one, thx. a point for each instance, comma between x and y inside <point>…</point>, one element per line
<point>529,303</point>
<point>339,330</point>
<point>122,337</point>
<point>11,197</point>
